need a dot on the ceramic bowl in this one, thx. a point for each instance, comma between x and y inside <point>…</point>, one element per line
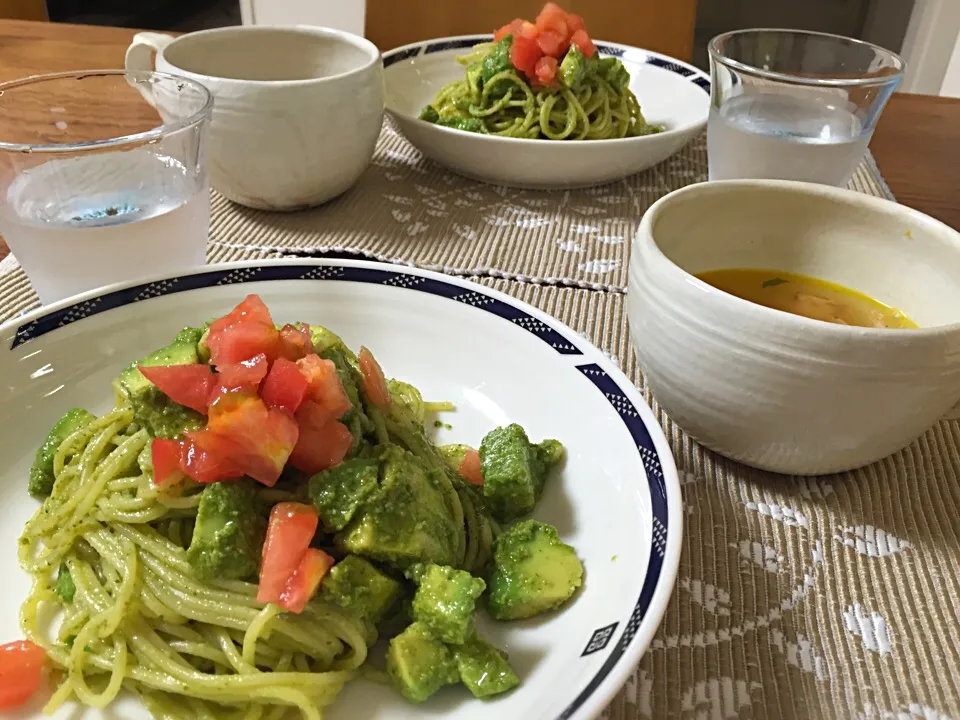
<point>779,391</point>
<point>297,110</point>
<point>671,93</point>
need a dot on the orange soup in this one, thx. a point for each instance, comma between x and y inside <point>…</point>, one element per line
<point>806,296</point>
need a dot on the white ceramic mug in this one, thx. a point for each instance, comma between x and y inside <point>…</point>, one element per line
<point>297,110</point>
<point>779,391</point>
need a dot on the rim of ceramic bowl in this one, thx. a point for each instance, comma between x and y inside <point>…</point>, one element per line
<point>139,75</point>
<point>361,43</point>
<point>481,37</point>
<point>716,55</point>
<point>646,235</point>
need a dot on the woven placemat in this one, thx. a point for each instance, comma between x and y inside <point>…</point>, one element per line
<point>407,209</point>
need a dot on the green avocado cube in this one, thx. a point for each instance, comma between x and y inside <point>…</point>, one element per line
<point>356,585</point>
<point>483,668</point>
<point>406,520</point>
<point>445,602</point>
<point>152,409</point>
<point>514,470</point>
<point>41,472</point>
<point>533,571</point>
<point>419,664</point>
<point>338,492</point>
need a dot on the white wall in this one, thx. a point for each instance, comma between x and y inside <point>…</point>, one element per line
<point>951,82</point>
<point>930,42</point>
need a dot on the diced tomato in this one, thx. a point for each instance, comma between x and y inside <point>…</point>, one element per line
<point>323,442</point>
<point>285,387</point>
<point>207,467</point>
<point>374,382</point>
<point>245,332</point>
<point>553,18</point>
<point>553,44</point>
<point>583,41</point>
<point>470,467</point>
<point>575,22</point>
<point>325,387</point>
<point>255,438</point>
<point>166,461</point>
<point>511,28</point>
<point>21,669</point>
<point>289,532</point>
<point>546,70</point>
<point>245,374</point>
<point>305,581</point>
<point>295,342</point>
<point>188,385</point>
<point>524,54</point>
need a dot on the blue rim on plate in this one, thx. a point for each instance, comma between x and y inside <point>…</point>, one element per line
<point>657,461</point>
<point>624,52</point>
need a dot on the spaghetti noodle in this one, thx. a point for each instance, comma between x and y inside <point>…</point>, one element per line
<point>139,619</point>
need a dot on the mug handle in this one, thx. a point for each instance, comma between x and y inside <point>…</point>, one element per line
<point>140,55</point>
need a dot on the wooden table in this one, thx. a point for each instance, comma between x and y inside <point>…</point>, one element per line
<point>917,144</point>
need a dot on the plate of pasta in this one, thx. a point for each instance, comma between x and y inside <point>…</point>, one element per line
<point>542,105</point>
<point>323,489</point>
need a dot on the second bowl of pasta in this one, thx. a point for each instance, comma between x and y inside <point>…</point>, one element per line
<point>606,113</point>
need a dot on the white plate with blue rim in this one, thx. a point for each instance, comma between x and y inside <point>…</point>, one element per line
<point>672,93</point>
<point>616,499</point>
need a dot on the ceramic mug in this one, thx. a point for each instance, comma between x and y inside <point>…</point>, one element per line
<point>297,110</point>
<point>779,391</point>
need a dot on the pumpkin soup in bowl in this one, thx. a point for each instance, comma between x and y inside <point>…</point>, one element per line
<point>718,272</point>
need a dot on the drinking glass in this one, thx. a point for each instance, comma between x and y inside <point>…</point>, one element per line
<point>102,177</point>
<point>795,105</point>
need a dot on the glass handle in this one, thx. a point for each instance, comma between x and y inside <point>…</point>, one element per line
<point>139,57</point>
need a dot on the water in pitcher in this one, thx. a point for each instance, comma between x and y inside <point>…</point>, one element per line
<point>120,216</point>
<point>785,137</point>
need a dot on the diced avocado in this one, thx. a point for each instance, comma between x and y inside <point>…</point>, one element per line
<point>228,535</point>
<point>483,668</point>
<point>533,571</point>
<point>406,520</point>
<point>445,601</point>
<point>617,75</point>
<point>471,124</point>
<point>338,492</point>
<point>498,59</point>
<point>419,664</point>
<point>429,114</point>
<point>41,472</point>
<point>63,585</point>
<point>151,408</point>
<point>572,68</point>
<point>514,470</point>
<point>356,585</point>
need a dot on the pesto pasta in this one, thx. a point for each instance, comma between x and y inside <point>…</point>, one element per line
<point>589,99</point>
<point>233,536</point>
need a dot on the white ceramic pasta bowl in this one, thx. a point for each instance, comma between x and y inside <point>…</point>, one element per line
<point>671,93</point>
<point>616,498</point>
<point>776,390</point>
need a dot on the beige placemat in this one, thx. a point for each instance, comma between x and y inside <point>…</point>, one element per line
<point>405,208</point>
